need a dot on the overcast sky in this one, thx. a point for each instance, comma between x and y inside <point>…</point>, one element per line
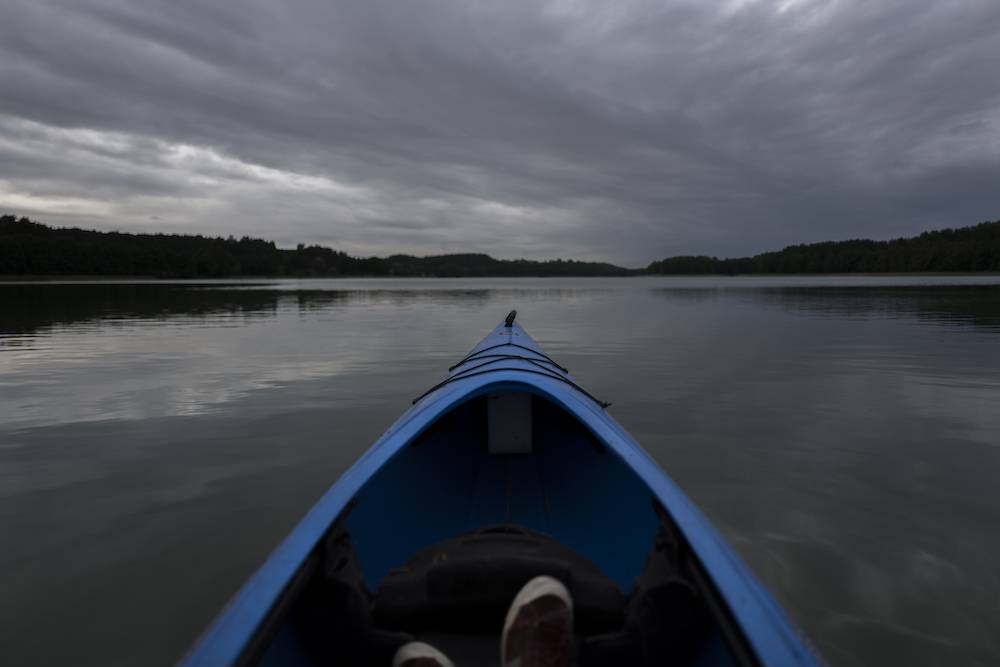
<point>617,130</point>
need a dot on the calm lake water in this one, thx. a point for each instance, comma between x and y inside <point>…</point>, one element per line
<point>157,440</point>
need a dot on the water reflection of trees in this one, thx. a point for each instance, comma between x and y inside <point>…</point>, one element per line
<point>30,307</point>
<point>975,305</point>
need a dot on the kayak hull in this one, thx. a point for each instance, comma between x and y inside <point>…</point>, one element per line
<point>433,475</point>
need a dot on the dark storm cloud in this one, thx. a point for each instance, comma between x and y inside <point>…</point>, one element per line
<point>623,131</point>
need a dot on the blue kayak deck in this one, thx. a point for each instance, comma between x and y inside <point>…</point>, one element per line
<point>585,483</point>
<point>571,487</point>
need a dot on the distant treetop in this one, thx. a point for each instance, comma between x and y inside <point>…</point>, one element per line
<point>966,249</point>
<point>30,248</point>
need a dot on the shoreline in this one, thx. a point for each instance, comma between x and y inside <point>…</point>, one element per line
<point>19,279</point>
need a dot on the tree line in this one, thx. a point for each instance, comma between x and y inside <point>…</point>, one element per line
<point>32,249</point>
<point>966,249</point>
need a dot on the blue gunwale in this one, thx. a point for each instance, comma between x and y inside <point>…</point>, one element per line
<point>765,626</point>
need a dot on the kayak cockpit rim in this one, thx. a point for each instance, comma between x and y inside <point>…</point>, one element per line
<point>765,631</point>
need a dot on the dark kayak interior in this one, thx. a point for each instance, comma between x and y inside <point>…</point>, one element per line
<point>437,543</point>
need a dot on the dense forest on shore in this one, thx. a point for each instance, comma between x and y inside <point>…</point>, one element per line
<point>965,249</point>
<point>31,249</point>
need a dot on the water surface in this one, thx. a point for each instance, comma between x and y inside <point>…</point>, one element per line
<point>158,439</point>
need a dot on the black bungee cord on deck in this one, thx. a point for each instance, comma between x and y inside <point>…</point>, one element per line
<point>466,374</point>
<point>479,355</point>
<point>495,358</point>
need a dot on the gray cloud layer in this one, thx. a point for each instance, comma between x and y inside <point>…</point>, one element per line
<point>625,130</point>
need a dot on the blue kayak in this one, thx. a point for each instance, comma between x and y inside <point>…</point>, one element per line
<point>506,470</point>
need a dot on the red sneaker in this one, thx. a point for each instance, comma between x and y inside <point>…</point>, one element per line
<point>538,631</point>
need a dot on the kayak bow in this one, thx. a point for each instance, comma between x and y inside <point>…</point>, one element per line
<point>505,470</point>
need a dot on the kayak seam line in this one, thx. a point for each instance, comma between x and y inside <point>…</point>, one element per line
<point>472,355</point>
<point>544,373</point>
<point>500,357</point>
